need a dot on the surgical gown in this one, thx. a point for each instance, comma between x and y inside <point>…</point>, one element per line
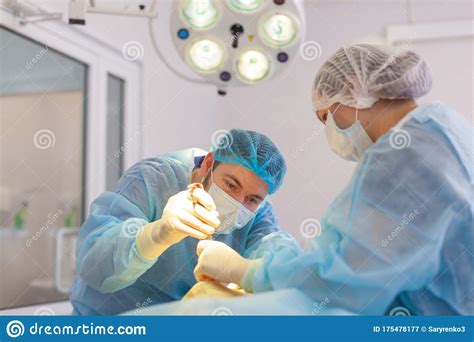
<point>400,237</point>
<point>112,277</point>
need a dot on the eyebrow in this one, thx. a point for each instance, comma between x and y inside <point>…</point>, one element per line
<point>240,185</point>
<point>233,178</point>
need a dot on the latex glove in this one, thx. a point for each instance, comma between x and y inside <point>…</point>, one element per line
<point>180,218</point>
<point>219,262</point>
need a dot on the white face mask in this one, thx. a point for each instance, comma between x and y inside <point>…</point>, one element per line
<point>232,213</point>
<point>349,143</point>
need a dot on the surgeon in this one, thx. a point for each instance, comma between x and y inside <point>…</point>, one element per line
<point>399,239</point>
<point>137,247</point>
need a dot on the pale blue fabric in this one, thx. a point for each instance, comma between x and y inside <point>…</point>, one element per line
<point>254,151</point>
<point>401,232</point>
<point>112,277</point>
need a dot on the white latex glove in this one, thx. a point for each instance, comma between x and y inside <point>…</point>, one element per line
<point>219,262</point>
<point>180,218</point>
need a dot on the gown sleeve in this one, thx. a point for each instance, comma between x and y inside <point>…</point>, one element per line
<point>107,255</point>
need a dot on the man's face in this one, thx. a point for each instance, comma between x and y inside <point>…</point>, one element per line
<point>240,183</point>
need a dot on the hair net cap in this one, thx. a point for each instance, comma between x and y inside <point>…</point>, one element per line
<point>254,151</point>
<point>359,75</point>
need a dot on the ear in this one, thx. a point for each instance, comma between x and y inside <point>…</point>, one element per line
<point>207,164</point>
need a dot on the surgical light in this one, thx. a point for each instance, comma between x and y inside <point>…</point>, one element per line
<point>246,6</point>
<point>206,55</point>
<point>228,43</point>
<point>279,30</point>
<point>221,42</point>
<point>253,66</point>
<point>199,14</point>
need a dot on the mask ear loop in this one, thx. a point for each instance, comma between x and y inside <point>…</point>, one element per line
<point>210,237</point>
<point>335,110</point>
<point>212,174</point>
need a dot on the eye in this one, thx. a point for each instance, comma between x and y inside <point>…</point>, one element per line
<point>254,200</point>
<point>230,185</point>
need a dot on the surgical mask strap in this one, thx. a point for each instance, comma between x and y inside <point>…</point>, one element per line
<point>212,172</point>
<point>212,176</point>
<point>357,112</point>
<point>335,110</point>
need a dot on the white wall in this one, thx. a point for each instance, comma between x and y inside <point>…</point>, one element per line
<point>183,115</point>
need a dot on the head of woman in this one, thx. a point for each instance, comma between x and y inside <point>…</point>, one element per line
<point>362,91</point>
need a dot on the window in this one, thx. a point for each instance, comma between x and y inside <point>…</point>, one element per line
<point>42,161</point>
<point>115,146</point>
<point>70,123</point>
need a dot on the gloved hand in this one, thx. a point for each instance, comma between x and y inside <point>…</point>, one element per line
<point>180,218</point>
<point>219,262</point>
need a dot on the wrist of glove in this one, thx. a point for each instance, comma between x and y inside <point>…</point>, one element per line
<point>189,213</point>
<point>219,262</point>
<point>148,244</point>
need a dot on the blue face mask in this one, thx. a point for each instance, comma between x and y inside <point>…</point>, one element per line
<point>349,143</point>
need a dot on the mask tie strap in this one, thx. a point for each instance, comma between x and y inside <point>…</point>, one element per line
<point>335,110</point>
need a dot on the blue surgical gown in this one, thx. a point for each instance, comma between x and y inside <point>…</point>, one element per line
<point>112,277</point>
<point>399,237</point>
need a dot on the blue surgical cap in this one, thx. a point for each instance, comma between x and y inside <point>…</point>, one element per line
<point>252,150</point>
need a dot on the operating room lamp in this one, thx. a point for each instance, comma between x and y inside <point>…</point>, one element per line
<point>234,42</point>
<point>225,43</point>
